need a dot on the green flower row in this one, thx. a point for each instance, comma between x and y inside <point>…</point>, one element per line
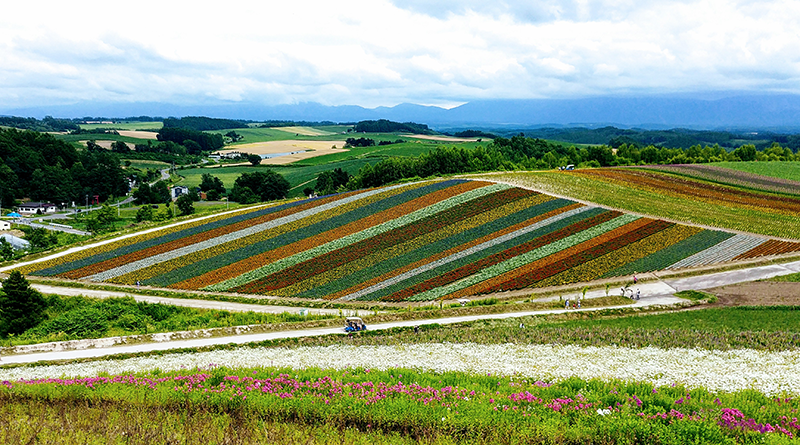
<point>350,239</point>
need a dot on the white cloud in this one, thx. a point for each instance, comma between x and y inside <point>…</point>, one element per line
<point>382,53</point>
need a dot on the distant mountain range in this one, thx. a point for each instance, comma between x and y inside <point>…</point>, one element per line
<point>742,111</point>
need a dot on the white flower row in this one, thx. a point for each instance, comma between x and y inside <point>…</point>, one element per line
<point>370,232</point>
<point>526,258</point>
<point>172,254</point>
<point>771,373</point>
<point>464,253</point>
<point>722,252</point>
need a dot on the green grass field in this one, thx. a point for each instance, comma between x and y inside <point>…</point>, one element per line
<point>75,138</point>
<point>734,319</point>
<point>410,148</point>
<point>156,125</point>
<point>144,164</point>
<point>297,175</point>
<point>71,318</point>
<point>268,404</point>
<point>655,204</point>
<point>775,169</point>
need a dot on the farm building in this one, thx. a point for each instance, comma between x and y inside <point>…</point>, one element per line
<point>178,190</point>
<point>5,225</point>
<point>226,155</point>
<point>37,208</point>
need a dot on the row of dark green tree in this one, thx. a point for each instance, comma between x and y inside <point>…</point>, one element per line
<point>524,153</point>
<point>43,168</point>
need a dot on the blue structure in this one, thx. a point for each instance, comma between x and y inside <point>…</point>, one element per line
<point>16,242</point>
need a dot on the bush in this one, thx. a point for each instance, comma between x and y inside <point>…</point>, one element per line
<point>83,322</point>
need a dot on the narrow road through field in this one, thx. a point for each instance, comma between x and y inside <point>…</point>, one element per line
<point>248,338</point>
<point>652,293</point>
<point>197,304</point>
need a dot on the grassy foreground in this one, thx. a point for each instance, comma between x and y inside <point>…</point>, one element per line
<point>101,423</point>
<point>217,405</point>
<point>220,405</point>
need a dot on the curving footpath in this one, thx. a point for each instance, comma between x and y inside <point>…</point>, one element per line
<point>655,293</point>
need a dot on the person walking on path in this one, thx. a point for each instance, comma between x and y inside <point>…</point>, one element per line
<point>638,294</point>
<point>634,278</point>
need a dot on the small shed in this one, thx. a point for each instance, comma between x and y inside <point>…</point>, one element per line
<point>5,225</point>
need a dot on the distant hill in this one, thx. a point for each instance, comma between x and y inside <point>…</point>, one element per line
<point>736,111</point>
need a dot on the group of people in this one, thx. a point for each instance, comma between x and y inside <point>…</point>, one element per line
<point>626,292</point>
<point>576,305</point>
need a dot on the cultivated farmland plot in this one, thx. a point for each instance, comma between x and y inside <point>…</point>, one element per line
<point>411,242</point>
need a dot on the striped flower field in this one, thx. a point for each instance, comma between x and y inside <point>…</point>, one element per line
<point>411,242</point>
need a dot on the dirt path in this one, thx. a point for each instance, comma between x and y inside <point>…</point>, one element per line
<point>762,293</point>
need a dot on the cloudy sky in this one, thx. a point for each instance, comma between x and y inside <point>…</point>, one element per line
<point>380,52</point>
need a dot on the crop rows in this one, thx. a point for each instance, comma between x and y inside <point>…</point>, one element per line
<point>700,191</point>
<point>410,242</point>
<point>724,175</point>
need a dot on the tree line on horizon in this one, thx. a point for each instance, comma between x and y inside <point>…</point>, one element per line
<point>525,153</point>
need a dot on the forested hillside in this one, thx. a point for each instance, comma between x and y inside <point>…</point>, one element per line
<point>41,167</point>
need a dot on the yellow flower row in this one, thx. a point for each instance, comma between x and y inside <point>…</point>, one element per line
<point>595,268</point>
<point>412,244</point>
<point>85,253</point>
<point>167,266</point>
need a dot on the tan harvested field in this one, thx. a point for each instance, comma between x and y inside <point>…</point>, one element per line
<point>314,148</point>
<point>288,159</point>
<point>438,138</point>
<point>304,131</point>
<point>138,134</point>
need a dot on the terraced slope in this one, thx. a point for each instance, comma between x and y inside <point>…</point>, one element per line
<point>722,175</point>
<point>412,242</point>
<point>672,197</point>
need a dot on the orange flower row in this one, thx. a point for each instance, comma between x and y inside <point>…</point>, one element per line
<point>196,238</point>
<point>256,261</point>
<point>713,194</point>
<point>491,283</point>
<point>771,247</point>
<point>220,249</point>
<point>452,251</point>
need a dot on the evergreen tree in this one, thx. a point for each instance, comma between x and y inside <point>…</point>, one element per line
<point>21,307</point>
<point>6,251</point>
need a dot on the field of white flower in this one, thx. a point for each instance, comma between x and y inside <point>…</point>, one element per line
<point>771,373</point>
